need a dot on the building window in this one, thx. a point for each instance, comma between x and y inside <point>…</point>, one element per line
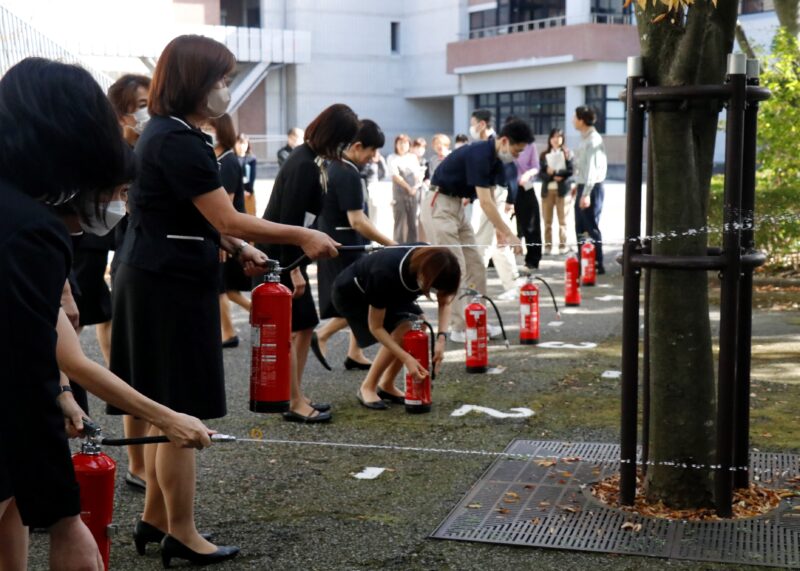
<point>609,108</point>
<point>395,37</point>
<point>610,12</point>
<point>757,6</point>
<point>542,109</point>
<point>514,15</point>
<point>240,13</point>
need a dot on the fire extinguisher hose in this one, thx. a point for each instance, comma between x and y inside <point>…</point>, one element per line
<point>304,259</point>
<point>157,440</point>
<point>553,297</point>
<point>499,319</point>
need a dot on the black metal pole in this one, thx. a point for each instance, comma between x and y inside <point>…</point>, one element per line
<point>729,302</point>
<point>741,432</point>
<point>630,304</point>
<point>646,386</point>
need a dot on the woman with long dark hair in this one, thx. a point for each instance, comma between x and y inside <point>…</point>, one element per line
<point>85,165</point>
<point>296,200</point>
<point>555,171</point>
<point>180,215</point>
<point>377,294</point>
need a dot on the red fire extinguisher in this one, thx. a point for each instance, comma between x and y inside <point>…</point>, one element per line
<point>477,339</point>
<point>417,344</point>
<point>271,322</point>
<point>95,474</point>
<point>572,291</point>
<point>529,310</point>
<point>588,271</point>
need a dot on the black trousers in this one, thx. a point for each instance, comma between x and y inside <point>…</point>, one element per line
<point>529,226</point>
<point>587,220</point>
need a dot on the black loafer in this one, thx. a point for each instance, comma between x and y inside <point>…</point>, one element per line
<point>135,482</point>
<point>320,406</point>
<point>145,533</point>
<point>352,364</point>
<point>390,397</point>
<point>171,547</point>
<point>318,352</point>
<point>231,343</point>
<point>377,405</point>
<point>312,418</point>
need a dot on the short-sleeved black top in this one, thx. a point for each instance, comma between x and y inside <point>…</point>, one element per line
<point>346,191</point>
<point>468,167</point>
<point>166,233</point>
<point>384,278</point>
<point>296,199</point>
<point>230,171</point>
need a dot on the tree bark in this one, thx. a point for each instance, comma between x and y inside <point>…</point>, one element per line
<point>687,48</point>
<point>788,12</point>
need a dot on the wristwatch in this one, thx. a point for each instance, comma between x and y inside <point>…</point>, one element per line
<point>239,249</point>
<point>64,389</point>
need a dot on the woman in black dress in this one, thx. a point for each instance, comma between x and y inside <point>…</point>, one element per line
<point>297,200</point>
<point>248,162</point>
<point>180,215</point>
<point>344,218</point>
<point>377,293</point>
<point>233,280</point>
<point>84,162</point>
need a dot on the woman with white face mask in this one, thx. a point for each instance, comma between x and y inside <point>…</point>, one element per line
<point>180,216</point>
<point>85,158</point>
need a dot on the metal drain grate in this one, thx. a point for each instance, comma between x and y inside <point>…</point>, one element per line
<point>530,503</point>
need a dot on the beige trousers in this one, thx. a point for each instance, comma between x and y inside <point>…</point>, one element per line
<point>445,224</point>
<point>504,260</point>
<point>552,200</point>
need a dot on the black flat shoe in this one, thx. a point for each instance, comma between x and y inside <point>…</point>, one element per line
<point>390,397</point>
<point>145,533</point>
<point>351,364</point>
<point>377,405</point>
<point>601,270</point>
<point>320,406</point>
<point>231,343</point>
<point>135,482</point>
<point>318,352</point>
<point>171,547</point>
<point>312,418</point>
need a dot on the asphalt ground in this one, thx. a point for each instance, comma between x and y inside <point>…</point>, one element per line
<point>298,506</point>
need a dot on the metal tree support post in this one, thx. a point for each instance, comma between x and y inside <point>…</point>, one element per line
<point>741,431</point>
<point>630,304</point>
<point>729,299</point>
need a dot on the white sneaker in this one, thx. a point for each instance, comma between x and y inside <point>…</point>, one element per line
<point>458,336</point>
<point>494,331</point>
<point>508,295</point>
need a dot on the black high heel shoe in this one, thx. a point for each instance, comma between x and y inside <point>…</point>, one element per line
<point>145,533</point>
<point>171,547</point>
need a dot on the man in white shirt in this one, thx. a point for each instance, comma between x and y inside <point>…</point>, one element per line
<point>591,164</point>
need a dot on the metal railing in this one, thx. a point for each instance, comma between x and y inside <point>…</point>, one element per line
<point>20,40</point>
<point>542,24</point>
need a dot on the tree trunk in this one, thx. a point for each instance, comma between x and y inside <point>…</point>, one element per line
<point>688,48</point>
<point>788,13</point>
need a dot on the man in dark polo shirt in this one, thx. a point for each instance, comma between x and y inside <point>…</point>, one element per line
<point>470,172</point>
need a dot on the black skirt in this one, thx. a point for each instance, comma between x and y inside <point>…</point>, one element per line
<point>351,304</point>
<point>327,271</point>
<point>92,296</point>
<point>304,312</point>
<point>166,342</point>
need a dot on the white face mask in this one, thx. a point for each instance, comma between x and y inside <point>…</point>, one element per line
<point>142,116</point>
<point>474,133</point>
<point>505,156</point>
<point>218,101</point>
<point>99,225</point>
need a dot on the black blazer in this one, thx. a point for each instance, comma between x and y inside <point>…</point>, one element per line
<point>563,185</point>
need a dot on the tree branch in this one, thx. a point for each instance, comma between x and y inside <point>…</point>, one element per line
<point>744,43</point>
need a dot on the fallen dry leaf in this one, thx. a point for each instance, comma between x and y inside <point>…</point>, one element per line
<point>570,509</point>
<point>473,506</point>
<point>503,511</point>
<point>566,474</point>
<point>529,486</point>
<point>536,521</point>
<point>546,463</point>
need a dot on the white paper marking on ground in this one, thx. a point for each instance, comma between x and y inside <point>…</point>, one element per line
<point>369,473</point>
<point>555,324</point>
<point>520,412</point>
<point>498,370</point>
<point>562,345</point>
<point>611,374</point>
<point>609,298</point>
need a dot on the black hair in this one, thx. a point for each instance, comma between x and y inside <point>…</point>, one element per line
<point>370,135</point>
<point>462,138</point>
<point>484,115</point>
<point>586,114</point>
<point>332,130</point>
<point>60,107</point>
<point>517,131</point>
